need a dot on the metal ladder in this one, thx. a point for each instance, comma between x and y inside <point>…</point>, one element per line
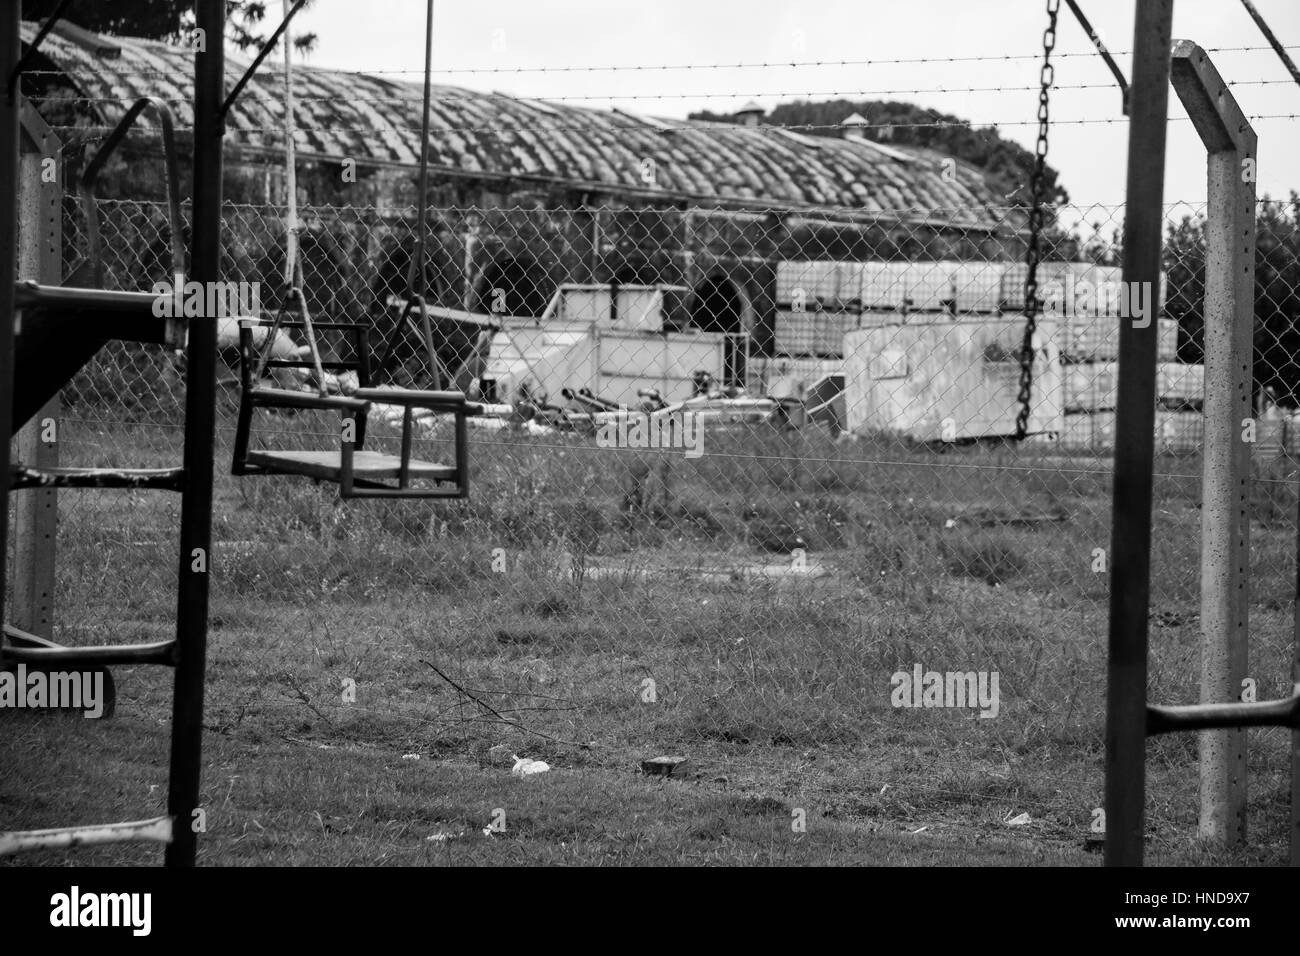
<point>186,652</point>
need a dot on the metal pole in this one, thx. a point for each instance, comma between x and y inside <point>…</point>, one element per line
<point>1101,49</point>
<point>200,421</point>
<point>290,166</point>
<point>10,16</point>
<point>416,276</point>
<point>1295,680</point>
<point>1134,443</point>
<point>1274,42</point>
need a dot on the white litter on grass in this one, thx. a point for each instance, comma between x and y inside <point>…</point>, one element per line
<point>950,523</point>
<point>440,837</point>
<point>1019,821</point>
<point>410,756</point>
<point>525,768</point>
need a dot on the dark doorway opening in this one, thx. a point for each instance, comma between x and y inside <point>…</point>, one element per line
<point>718,305</point>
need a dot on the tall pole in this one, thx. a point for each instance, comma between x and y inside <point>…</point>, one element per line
<point>290,164</point>
<point>1130,592</point>
<point>416,276</point>
<point>200,427</point>
<point>10,17</point>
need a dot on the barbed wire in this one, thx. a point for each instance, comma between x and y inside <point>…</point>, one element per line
<point>664,67</point>
<point>126,100</point>
<point>1196,205</point>
<point>697,126</point>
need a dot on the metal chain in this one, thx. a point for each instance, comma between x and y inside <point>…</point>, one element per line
<point>1032,253</point>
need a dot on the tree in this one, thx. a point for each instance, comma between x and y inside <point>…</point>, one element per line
<point>169,19</point>
<point>1277,293</point>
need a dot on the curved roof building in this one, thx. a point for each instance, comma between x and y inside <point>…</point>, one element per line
<point>519,142</point>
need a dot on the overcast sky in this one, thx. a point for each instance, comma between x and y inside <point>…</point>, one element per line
<point>505,35</point>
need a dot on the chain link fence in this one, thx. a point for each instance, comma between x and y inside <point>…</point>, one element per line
<point>829,578</point>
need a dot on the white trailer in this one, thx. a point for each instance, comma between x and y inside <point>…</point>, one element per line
<point>948,380</point>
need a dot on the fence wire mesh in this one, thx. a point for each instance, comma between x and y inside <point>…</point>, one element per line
<point>766,585</point>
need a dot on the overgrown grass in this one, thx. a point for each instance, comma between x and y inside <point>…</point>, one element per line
<point>594,607</point>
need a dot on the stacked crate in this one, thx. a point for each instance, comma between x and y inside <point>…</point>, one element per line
<point>1089,330</point>
<point>883,286</point>
<point>818,303</point>
<point>977,286</point>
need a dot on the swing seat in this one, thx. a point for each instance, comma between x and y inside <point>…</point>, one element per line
<point>359,472</point>
<point>367,466</point>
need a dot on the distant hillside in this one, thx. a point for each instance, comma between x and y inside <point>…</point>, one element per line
<point>1007,164</point>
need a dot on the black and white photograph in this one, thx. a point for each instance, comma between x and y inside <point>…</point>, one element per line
<point>646,433</point>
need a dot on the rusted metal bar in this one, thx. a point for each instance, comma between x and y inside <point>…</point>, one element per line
<point>367,489</point>
<point>196,558</point>
<point>22,639</point>
<point>157,829</point>
<point>1164,719</point>
<point>347,480</point>
<point>283,398</point>
<point>171,169</point>
<point>1225,526</point>
<point>462,456</point>
<point>262,54</point>
<point>404,469</point>
<point>435,400</point>
<point>33,295</point>
<point>15,74</point>
<point>1101,49</point>
<point>10,18</point>
<point>1130,573</point>
<point>415,278</point>
<point>156,652</point>
<point>1278,48</point>
<point>164,479</point>
<point>1295,678</point>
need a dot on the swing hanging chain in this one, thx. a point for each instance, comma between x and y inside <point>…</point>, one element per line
<point>1033,252</point>
<point>293,295</point>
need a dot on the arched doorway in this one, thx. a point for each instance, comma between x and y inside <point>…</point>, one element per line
<point>720,305</point>
<point>513,287</point>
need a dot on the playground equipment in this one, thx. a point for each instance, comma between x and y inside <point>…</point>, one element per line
<point>46,334</point>
<point>358,473</point>
<point>1229,318</point>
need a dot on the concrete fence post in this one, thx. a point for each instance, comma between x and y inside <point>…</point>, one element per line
<point>1229,427</point>
<point>40,250</point>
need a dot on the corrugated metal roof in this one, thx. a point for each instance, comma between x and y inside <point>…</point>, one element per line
<point>375,120</point>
